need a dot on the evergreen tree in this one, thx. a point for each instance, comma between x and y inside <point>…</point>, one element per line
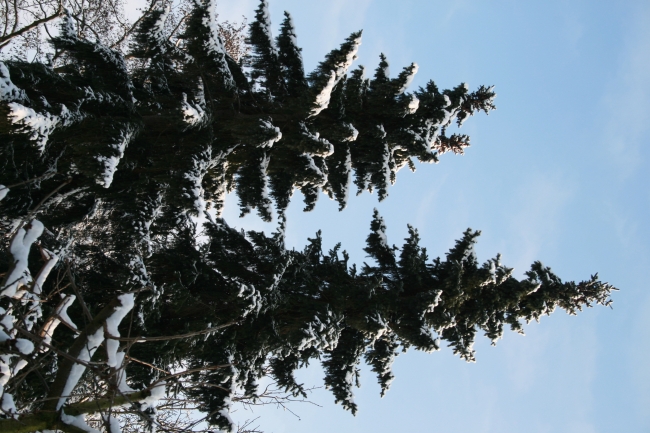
<point>117,160</point>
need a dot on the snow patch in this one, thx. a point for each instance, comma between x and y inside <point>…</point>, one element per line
<point>25,347</point>
<point>92,344</point>
<point>60,315</point>
<point>266,25</point>
<point>354,133</point>
<point>157,393</point>
<point>409,78</point>
<point>110,162</point>
<point>214,43</point>
<point>324,96</point>
<point>52,260</point>
<point>112,324</point>
<point>8,405</point>
<point>113,424</point>
<point>8,90</point>
<point>414,104</point>
<point>272,130</point>
<point>78,421</point>
<point>194,114</point>
<point>158,29</point>
<point>19,249</point>
<point>121,375</point>
<point>318,146</point>
<point>201,163</point>
<point>39,126</point>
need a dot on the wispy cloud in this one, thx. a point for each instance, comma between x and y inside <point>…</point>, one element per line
<point>540,201</point>
<point>628,98</point>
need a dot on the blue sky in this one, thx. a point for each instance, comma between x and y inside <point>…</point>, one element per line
<point>559,173</point>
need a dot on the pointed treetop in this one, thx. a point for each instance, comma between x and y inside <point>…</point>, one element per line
<point>263,60</point>
<point>382,73</point>
<point>291,57</point>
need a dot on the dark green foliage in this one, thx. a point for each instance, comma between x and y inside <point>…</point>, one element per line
<point>126,158</point>
<point>290,58</point>
<point>265,66</point>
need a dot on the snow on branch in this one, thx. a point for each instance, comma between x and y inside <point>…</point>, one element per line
<point>337,71</point>
<point>84,347</point>
<point>19,276</point>
<point>118,147</point>
<point>8,90</point>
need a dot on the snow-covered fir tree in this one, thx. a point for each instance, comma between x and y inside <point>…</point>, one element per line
<point>107,160</point>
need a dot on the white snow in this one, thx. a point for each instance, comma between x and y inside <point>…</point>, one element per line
<point>113,425</point>
<point>157,393</point>
<point>45,270</point>
<point>321,333</point>
<point>269,127</point>
<point>215,45</point>
<point>5,370</point>
<point>409,78</point>
<point>317,172</point>
<point>19,249</point>
<point>265,188</point>
<point>348,170</point>
<point>69,27</point>
<point>77,370</point>
<point>112,324</point>
<point>387,68</point>
<point>266,25</point>
<point>195,113</point>
<point>139,274</point>
<point>92,344</point>
<point>110,162</point>
<point>414,104</point>
<point>381,231</point>
<point>386,157</point>
<point>324,96</point>
<point>8,90</point>
<point>3,191</point>
<point>435,302</point>
<point>8,405</point>
<point>121,374</point>
<point>325,147</point>
<point>24,346</point>
<point>493,271</point>
<point>78,421</point>
<point>158,30</point>
<point>62,311</point>
<point>382,131</point>
<point>60,314</point>
<point>201,163</point>
<point>40,126</point>
<point>353,132</point>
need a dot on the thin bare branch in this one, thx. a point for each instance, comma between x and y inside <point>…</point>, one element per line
<point>4,40</point>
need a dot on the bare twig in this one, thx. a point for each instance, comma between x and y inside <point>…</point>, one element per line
<point>77,292</point>
<point>4,40</point>
<point>173,337</point>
